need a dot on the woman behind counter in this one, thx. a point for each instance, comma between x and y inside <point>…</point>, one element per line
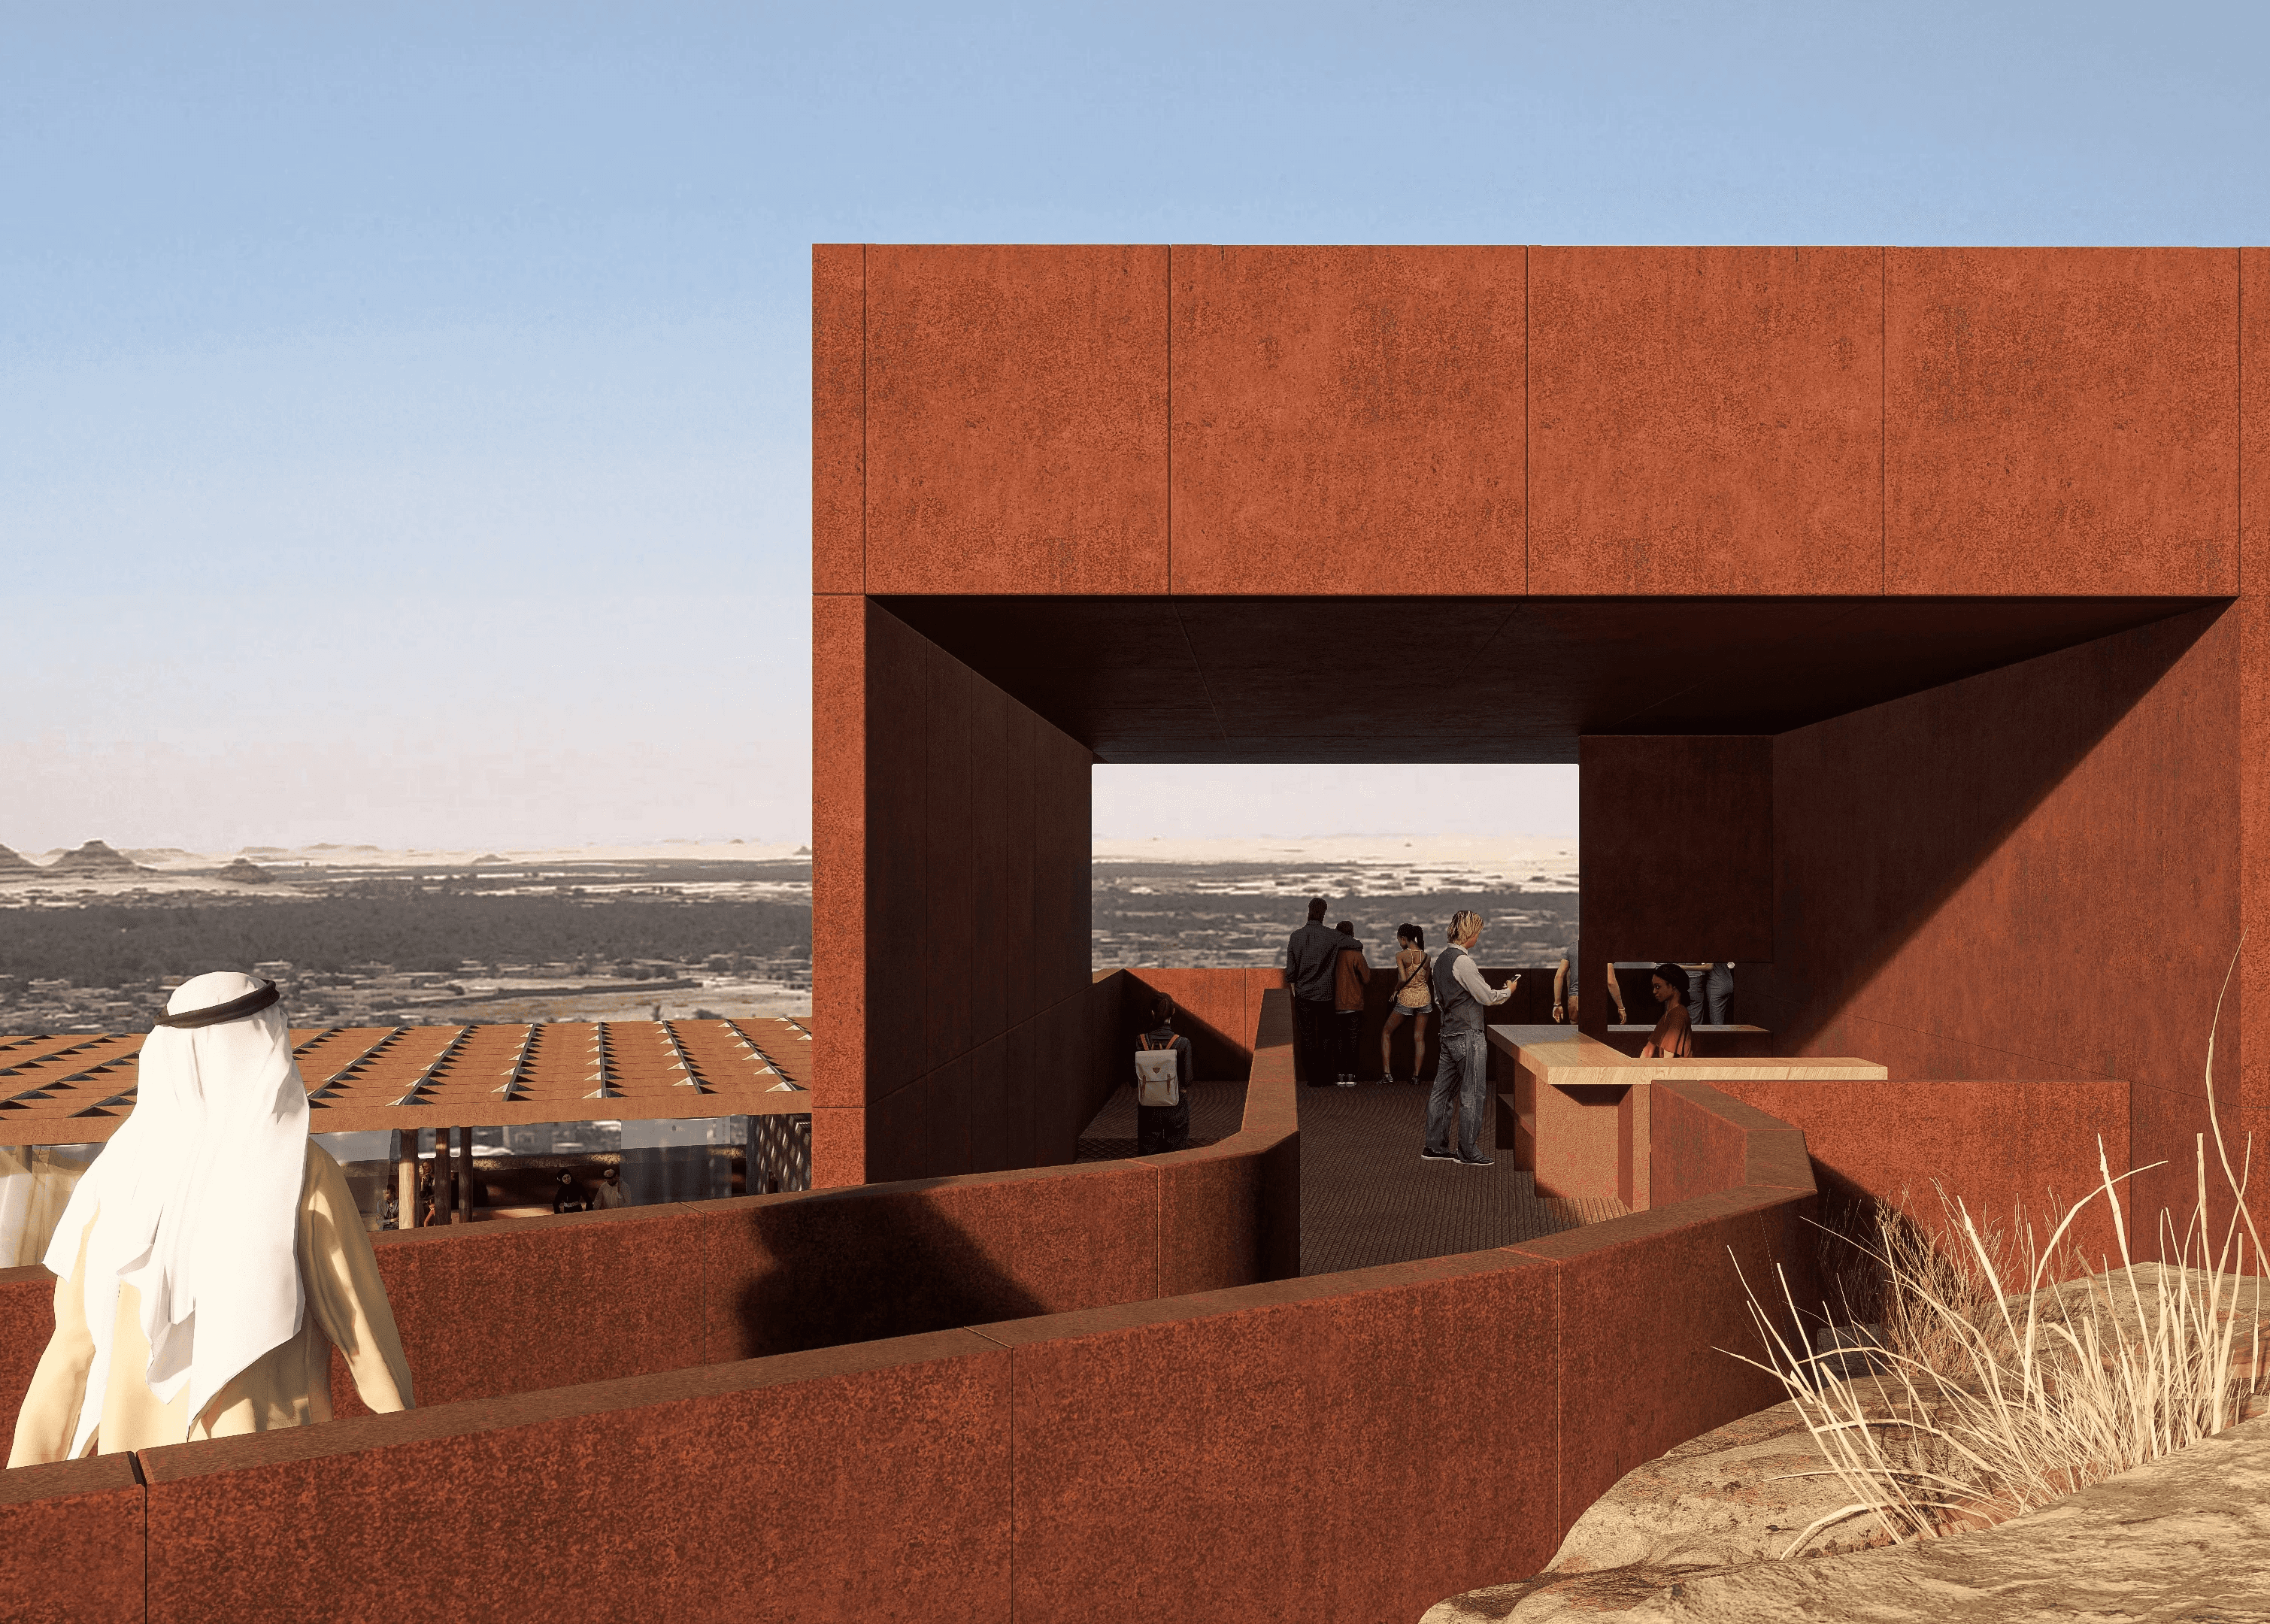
<point>1673,1037</point>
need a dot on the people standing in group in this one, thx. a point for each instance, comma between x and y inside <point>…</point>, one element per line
<point>1413,1000</point>
<point>1351,983</point>
<point>1462,1061</point>
<point>1312,957</point>
<point>1673,1037</point>
<point>1161,1128</point>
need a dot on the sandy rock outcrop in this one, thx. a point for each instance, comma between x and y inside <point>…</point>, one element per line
<point>2187,1537</point>
<point>243,871</point>
<point>14,864</point>
<point>94,860</point>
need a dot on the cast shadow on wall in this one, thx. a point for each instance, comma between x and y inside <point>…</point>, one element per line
<point>859,1265</point>
<point>1883,815</point>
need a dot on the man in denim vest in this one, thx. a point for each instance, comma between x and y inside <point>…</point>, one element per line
<point>1462,1062</point>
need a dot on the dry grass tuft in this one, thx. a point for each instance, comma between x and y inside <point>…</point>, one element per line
<point>2007,1376</point>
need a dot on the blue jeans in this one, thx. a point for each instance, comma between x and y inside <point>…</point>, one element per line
<point>1461,1068</point>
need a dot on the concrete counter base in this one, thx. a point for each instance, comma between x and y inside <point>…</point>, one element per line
<point>1577,1114</point>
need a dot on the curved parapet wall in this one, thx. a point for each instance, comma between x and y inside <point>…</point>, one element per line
<point>1362,1444</point>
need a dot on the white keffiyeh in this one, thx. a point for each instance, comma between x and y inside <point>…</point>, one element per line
<point>195,1202</point>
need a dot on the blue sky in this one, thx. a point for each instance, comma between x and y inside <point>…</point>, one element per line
<point>403,409</point>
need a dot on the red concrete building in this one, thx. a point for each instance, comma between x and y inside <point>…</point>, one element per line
<point>1894,603</point>
<point>1903,610</point>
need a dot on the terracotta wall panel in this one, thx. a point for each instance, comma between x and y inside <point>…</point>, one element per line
<point>898,1134</point>
<point>949,1107</point>
<point>1016,419</point>
<point>897,848</point>
<point>839,851</point>
<point>839,417</point>
<point>1679,832</point>
<point>615,1500</point>
<point>951,861</point>
<point>2250,1080</point>
<point>1205,1242</point>
<point>2030,874</point>
<point>466,1301</point>
<point>71,1542</point>
<point>839,1147</point>
<point>1001,859</point>
<point>27,1297</point>
<point>2061,420</point>
<point>1676,1293</point>
<point>1694,1151</point>
<point>948,898</point>
<point>1705,421</point>
<point>1217,1012</point>
<point>1363,1498</point>
<point>1017,1095</point>
<point>1064,823</point>
<point>792,1273</point>
<point>1993,1146</point>
<point>991,1139</point>
<point>1342,415</point>
<point>1062,1086</point>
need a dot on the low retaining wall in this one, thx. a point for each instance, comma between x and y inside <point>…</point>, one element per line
<point>1355,1445</point>
<point>1997,1145</point>
<point>518,1306</point>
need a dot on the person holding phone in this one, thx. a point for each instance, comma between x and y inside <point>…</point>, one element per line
<point>1462,1060</point>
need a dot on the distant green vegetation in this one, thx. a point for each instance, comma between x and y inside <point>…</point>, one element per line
<point>116,945</point>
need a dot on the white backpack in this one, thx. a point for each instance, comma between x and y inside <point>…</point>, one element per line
<point>1158,1078</point>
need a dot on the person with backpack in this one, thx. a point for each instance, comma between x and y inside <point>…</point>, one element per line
<point>1165,1068</point>
<point>1412,1000</point>
<point>1462,1065</point>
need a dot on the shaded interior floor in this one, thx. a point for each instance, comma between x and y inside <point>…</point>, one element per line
<point>1217,1110</point>
<point>1366,1197</point>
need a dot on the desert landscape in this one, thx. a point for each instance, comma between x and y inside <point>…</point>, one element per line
<point>92,938</point>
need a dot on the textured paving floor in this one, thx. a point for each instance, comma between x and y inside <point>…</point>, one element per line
<point>1366,1197</point>
<point>1216,1110</point>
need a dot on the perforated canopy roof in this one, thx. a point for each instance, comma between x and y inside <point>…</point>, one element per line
<point>75,1088</point>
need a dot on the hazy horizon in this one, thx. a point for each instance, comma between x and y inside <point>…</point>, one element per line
<point>408,422</point>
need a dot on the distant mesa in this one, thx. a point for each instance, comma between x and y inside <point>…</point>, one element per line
<point>95,859</point>
<point>245,873</point>
<point>156,853</point>
<point>12,864</point>
<point>489,856</point>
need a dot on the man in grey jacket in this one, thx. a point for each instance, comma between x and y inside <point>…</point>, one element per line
<point>1462,1058</point>
<point>1311,957</point>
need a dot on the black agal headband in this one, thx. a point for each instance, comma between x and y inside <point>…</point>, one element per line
<point>235,1009</point>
